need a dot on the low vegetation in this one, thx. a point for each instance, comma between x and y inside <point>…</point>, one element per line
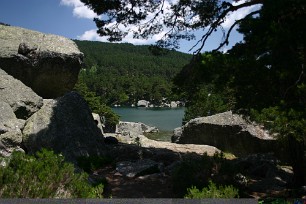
<point>44,175</point>
<point>212,191</point>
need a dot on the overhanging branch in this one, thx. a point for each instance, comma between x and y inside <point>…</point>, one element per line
<point>217,23</point>
<point>225,41</point>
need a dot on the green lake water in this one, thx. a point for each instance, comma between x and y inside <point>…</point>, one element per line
<point>165,119</point>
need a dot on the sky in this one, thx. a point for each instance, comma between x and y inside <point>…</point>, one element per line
<point>71,19</point>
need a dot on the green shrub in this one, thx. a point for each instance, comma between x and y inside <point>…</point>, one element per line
<point>44,175</point>
<point>212,191</point>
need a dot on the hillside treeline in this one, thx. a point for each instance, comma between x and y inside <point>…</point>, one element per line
<point>125,73</point>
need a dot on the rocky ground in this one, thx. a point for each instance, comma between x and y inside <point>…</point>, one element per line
<point>145,170</point>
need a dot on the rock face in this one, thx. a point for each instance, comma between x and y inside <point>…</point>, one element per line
<point>23,101</point>
<point>10,133</point>
<point>228,132</point>
<point>65,125</point>
<point>17,103</point>
<point>48,64</point>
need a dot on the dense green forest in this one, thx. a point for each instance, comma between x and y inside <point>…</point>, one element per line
<point>124,73</point>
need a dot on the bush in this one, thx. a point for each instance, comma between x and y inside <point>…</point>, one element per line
<point>44,175</point>
<point>212,191</point>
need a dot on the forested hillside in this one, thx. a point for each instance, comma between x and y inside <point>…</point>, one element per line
<point>124,73</point>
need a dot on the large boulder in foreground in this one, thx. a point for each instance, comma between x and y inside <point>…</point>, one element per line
<point>23,101</point>
<point>48,64</point>
<point>228,132</point>
<point>65,125</point>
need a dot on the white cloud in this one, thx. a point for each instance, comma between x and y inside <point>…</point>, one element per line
<point>73,3</point>
<point>92,35</point>
<point>79,9</point>
<point>239,14</point>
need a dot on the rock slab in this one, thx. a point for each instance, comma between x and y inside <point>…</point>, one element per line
<point>48,64</point>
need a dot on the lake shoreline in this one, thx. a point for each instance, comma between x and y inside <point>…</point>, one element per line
<point>165,119</point>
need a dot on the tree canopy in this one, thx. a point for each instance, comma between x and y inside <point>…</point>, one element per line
<point>175,20</point>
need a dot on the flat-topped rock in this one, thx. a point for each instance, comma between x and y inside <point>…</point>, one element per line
<point>49,64</point>
<point>180,148</point>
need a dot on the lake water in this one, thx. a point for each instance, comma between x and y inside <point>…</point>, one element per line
<point>165,119</point>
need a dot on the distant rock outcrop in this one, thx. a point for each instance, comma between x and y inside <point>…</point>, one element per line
<point>48,64</point>
<point>131,130</point>
<point>143,103</point>
<point>65,125</point>
<point>228,132</point>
